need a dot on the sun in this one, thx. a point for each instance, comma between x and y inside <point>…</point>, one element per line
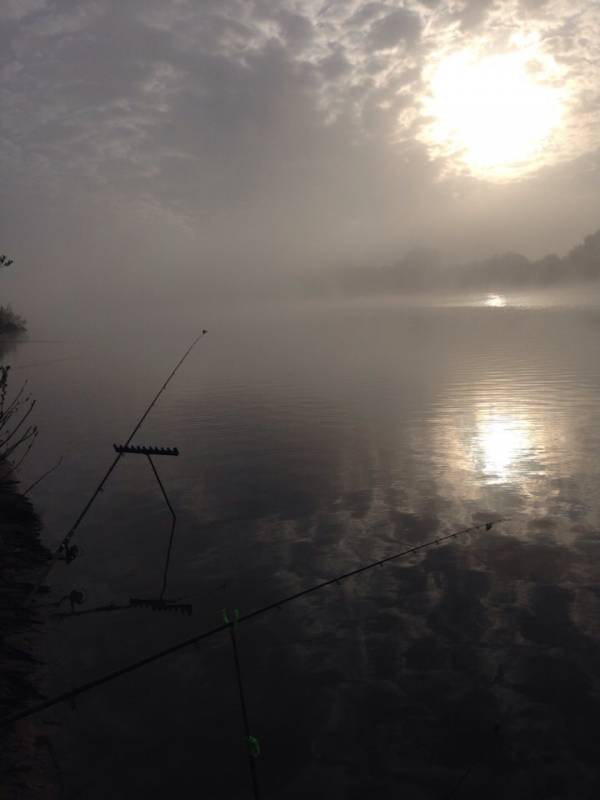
<point>493,114</point>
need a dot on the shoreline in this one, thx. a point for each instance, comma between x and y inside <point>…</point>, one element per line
<point>27,764</point>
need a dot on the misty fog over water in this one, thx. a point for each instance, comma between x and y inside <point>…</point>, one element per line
<point>385,213</point>
<point>313,438</point>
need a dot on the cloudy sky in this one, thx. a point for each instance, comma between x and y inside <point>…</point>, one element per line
<point>233,139</point>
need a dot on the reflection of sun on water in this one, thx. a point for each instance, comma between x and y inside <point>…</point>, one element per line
<point>494,114</point>
<point>496,434</point>
<point>495,301</point>
<point>500,441</point>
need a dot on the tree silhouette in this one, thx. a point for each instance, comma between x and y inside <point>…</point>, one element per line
<point>10,322</point>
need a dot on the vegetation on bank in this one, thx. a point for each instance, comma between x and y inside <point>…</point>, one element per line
<point>26,768</point>
<point>25,761</point>
<point>15,430</point>
<point>10,322</point>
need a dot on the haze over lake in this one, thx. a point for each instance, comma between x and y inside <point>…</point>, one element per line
<point>385,213</point>
<point>314,438</point>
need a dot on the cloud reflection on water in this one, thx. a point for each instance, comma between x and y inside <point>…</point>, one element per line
<point>388,429</point>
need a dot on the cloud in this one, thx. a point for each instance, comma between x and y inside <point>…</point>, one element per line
<point>474,13</point>
<point>400,27</point>
<point>119,68</point>
<point>19,9</point>
<point>267,132</point>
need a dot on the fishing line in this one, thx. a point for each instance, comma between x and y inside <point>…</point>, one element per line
<point>33,341</point>
<point>45,363</point>
<point>45,475</point>
<point>173,524</point>
<point>251,741</point>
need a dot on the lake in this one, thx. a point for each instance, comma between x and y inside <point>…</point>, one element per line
<point>315,438</point>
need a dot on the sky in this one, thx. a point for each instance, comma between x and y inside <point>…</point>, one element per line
<point>156,147</point>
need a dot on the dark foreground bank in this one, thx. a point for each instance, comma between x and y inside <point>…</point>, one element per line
<point>27,767</point>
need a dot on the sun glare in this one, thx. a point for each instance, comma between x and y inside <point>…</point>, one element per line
<point>495,301</point>
<point>501,440</point>
<point>494,114</point>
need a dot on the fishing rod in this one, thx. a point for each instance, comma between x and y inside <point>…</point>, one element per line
<point>66,551</point>
<point>111,676</point>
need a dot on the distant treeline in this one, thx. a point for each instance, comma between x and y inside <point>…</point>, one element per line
<point>423,270</point>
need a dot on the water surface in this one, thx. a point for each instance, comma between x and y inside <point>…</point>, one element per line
<point>313,439</point>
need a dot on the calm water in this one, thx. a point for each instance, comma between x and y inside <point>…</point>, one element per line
<point>312,440</point>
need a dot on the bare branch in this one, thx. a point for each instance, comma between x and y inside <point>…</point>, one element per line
<point>21,421</point>
<point>30,432</point>
<point>26,453</point>
<point>15,400</point>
